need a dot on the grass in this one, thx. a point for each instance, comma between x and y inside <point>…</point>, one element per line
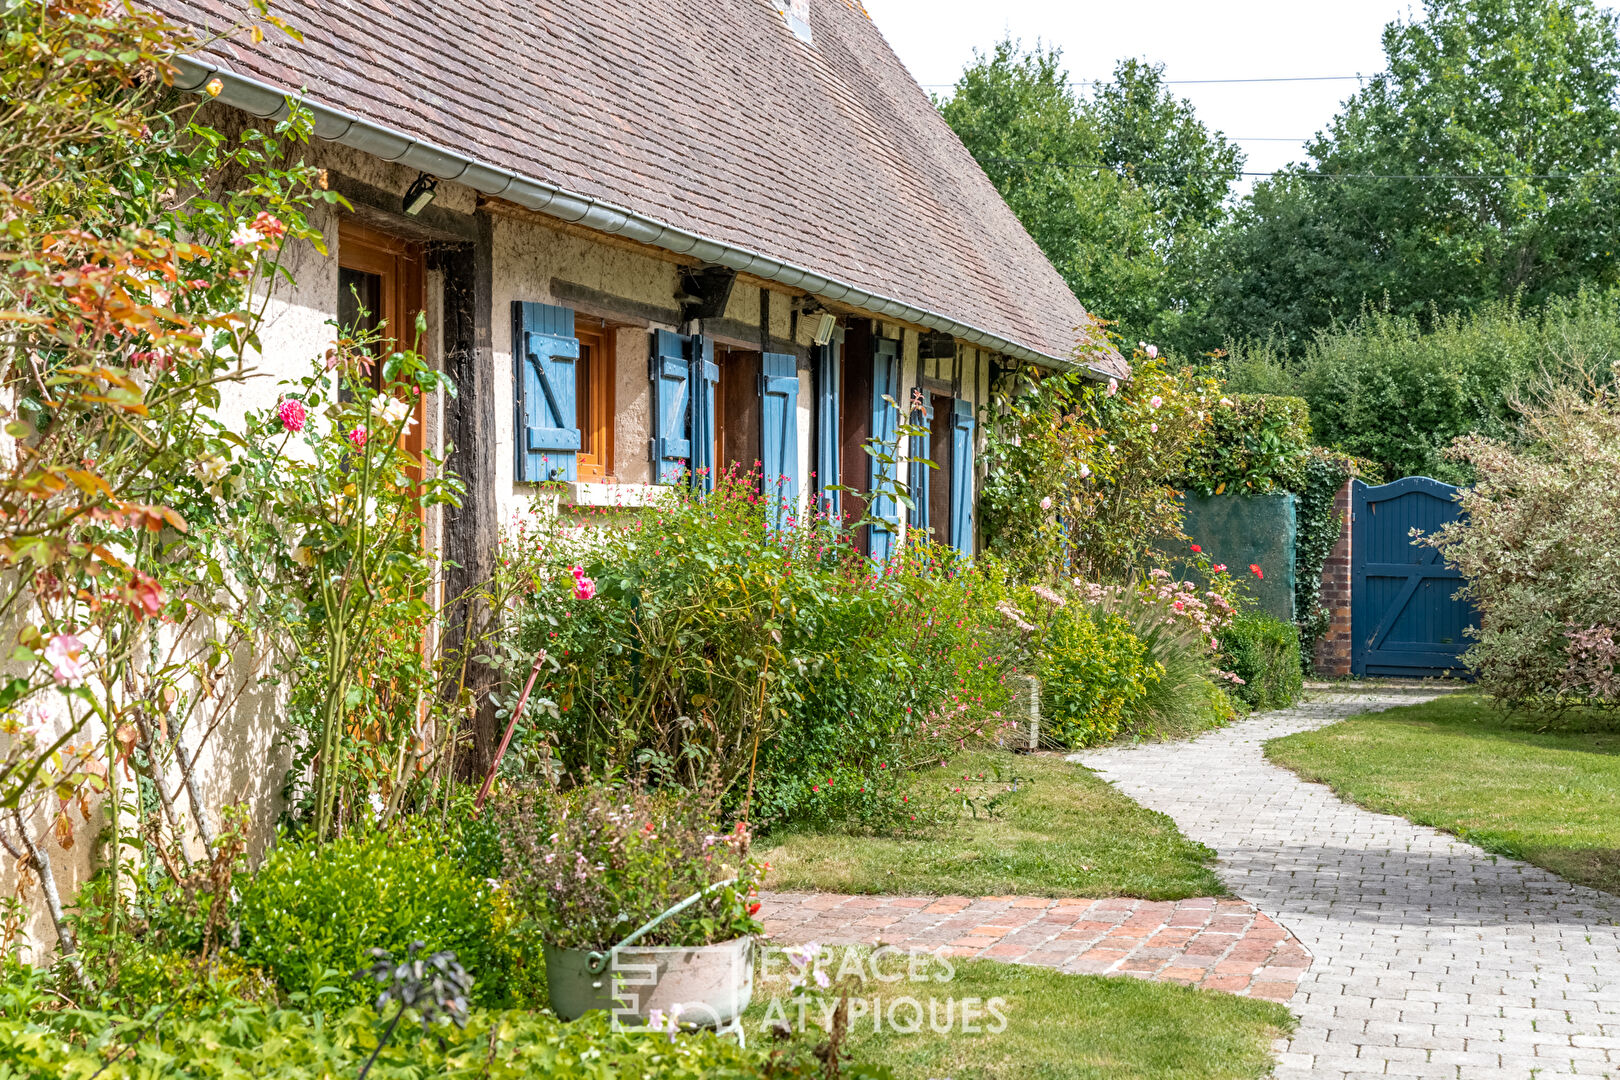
<point>1458,763</point>
<point>1071,1026</point>
<point>1065,833</point>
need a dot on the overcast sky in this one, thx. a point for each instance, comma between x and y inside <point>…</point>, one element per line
<point>1212,39</point>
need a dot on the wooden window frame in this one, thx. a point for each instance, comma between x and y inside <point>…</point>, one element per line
<point>399,263</point>
<point>594,398</point>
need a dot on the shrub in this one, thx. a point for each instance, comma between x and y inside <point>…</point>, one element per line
<point>593,867</point>
<point>1095,675</point>
<point>1397,390</point>
<point>1264,653</point>
<point>716,652</point>
<point>311,913</point>
<point>1251,445</point>
<point>268,1043</point>
<point>1536,546</point>
<point>1085,477</point>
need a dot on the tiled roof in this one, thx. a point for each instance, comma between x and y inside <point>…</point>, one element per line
<point>709,115</point>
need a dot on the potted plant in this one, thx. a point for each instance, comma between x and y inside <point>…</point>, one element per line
<point>644,905</point>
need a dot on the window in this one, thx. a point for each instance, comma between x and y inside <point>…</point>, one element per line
<point>380,290</point>
<point>593,397</point>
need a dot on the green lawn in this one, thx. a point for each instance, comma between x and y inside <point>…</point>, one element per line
<point>1072,1027</point>
<point>1067,834</point>
<point>1457,763</point>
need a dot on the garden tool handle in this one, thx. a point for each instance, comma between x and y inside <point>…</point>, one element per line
<point>597,962</point>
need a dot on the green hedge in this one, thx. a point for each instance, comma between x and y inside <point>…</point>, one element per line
<point>1253,444</point>
<point>1264,653</point>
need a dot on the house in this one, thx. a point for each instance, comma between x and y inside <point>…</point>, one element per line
<point>652,239</point>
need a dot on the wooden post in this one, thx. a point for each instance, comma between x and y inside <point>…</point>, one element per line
<point>471,531</point>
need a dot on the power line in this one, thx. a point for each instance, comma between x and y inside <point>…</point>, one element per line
<point>1206,82</point>
<point>1306,175</point>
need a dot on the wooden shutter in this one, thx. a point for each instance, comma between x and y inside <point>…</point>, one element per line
<point>547,432</point>
<point>829,361</point>
<point>962,476</point>
<point>885,384</point>
<point>671,371</point>
<point>920,470</point>
<point>704,373</point>
<point>779,436</point>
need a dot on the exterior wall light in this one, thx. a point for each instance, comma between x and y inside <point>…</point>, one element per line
<point>420,193</point>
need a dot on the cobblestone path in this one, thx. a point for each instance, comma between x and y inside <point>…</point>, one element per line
<point>1430,958</point>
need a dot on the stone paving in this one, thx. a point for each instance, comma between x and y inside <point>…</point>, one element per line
<point>1216,944</point>
<point>1430,957</point>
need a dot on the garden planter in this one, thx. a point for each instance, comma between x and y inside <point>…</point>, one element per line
<point>711,984</point>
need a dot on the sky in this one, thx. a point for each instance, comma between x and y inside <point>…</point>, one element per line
<point>1213,39</point>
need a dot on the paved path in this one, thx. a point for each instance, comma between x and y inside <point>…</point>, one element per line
<point>1215,944</point>
<point>1430,958</point>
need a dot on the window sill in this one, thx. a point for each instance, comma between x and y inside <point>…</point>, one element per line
<point>623,496</point>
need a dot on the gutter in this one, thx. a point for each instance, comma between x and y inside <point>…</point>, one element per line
<point>267,102</point>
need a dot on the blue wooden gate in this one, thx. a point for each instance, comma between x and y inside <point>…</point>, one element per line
<point>1403,619</point>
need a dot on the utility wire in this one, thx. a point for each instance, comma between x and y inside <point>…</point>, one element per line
<point>1205,82</point>
<point>1335,176</point>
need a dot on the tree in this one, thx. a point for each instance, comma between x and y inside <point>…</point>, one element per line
<point>1116,189</point>
<point>1481,165</point>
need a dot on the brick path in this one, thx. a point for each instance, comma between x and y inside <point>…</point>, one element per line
<point>1217,944</point>
<point>1430,958</point>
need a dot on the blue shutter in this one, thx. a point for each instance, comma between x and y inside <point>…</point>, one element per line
<point>828,393</point>
<point>962,477</point>
<point>672,445</point>
<point>779,436</point>
<point>885,384</point>
<point>919,472</point>
<point>705,373</point>
<point>547,430</point>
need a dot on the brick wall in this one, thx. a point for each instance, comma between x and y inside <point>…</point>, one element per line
<point>1333,648</point>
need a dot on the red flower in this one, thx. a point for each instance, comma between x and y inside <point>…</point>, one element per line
<point>753,909</point>
<point>1255,568</point>
<point>1197,549</point>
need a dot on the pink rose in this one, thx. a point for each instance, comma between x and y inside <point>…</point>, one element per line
<point>292,414</point>
<point>1155,401</point>
<point>584,588</point>
<point>63,655</point>
<point>268,226</point>
<point>1046,503</point>
<point>359,436</point>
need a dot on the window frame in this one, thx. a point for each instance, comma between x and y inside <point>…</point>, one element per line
<point>399,263</point>
<point>593,398</point>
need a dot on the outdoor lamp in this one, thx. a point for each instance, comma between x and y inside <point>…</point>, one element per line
<point>420,193</point>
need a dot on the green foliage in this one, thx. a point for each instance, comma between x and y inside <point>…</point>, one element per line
<point>1253,444</point>
<point>1118,190</point>
<point>1264,653</point>
<point>1095,675</point>
<point>1084,476</point>
<point>269,1043</point>
<point>592,867</point>
<point>1535,545</point>
<point>716,653</point>
<point>1388,390</point>
<point>1317,528</point>
<point>311,914</point>
<point>1478,167</point>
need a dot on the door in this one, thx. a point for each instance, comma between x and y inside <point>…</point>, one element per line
<point>1403,619</point>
